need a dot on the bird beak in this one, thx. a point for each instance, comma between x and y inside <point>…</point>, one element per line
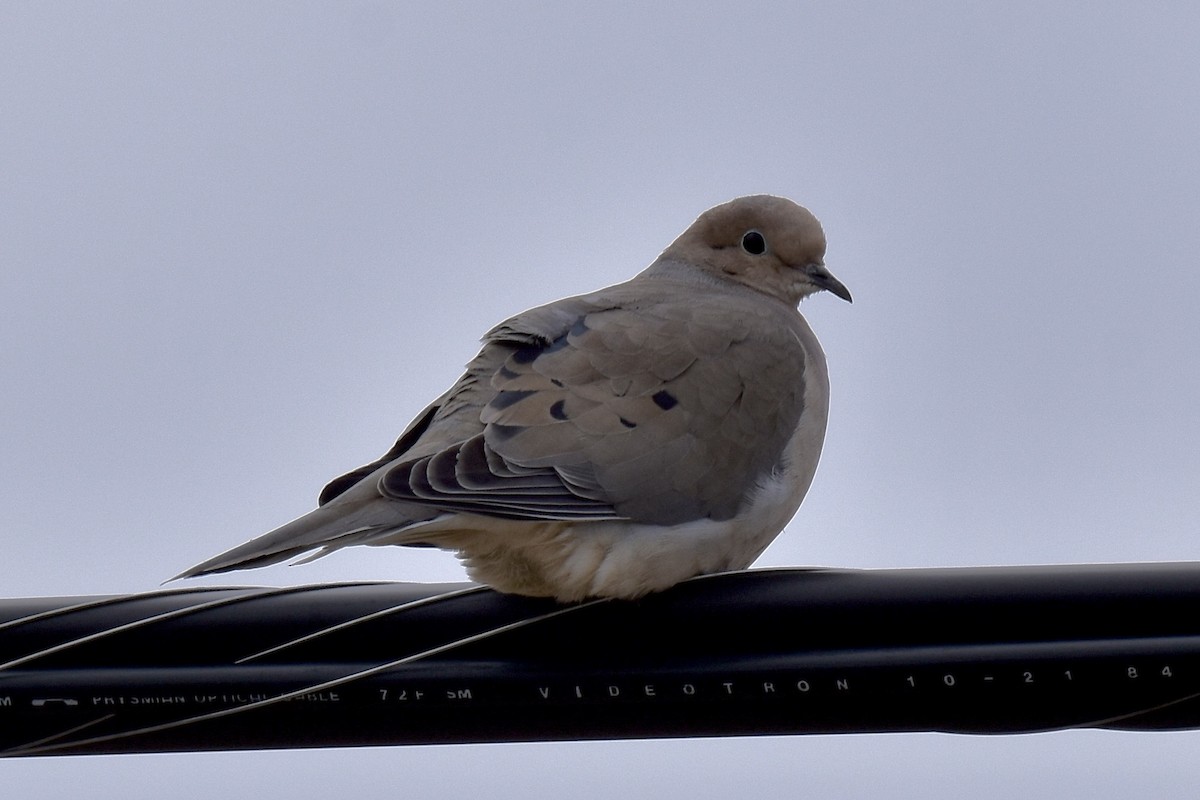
<point>823,280</point>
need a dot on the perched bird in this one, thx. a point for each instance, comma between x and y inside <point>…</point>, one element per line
<point>614,443</point>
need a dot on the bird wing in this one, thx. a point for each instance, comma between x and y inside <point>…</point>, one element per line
<point>655,406</point>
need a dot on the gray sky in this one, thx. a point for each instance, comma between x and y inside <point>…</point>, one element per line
<point>243,244</point>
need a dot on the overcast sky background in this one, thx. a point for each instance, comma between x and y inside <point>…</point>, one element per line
<point>242,244</point>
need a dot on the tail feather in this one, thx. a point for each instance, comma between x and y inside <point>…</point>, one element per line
<point>326,528</point>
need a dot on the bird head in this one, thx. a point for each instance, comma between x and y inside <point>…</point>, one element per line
<point>765,242</point>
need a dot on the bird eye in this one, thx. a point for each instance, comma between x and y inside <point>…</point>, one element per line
<point>754,243</point>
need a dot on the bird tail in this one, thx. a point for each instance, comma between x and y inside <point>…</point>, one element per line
<point>326,528</point>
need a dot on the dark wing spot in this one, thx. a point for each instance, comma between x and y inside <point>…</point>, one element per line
<point>627,423</point>
<point>506,399</point>
<point>664,400</point>
<point>555,346</point>
<point>559,410</point>
<point>526,355</point>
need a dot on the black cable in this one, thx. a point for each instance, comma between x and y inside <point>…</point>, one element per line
<point>982,650</point>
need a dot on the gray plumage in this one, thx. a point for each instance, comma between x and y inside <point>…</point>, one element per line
<point>617,442</point>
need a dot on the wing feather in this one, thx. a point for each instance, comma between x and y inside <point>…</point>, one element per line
<point>658,412</point>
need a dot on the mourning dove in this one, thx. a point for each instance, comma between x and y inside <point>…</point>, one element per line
<point>614,443</point>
